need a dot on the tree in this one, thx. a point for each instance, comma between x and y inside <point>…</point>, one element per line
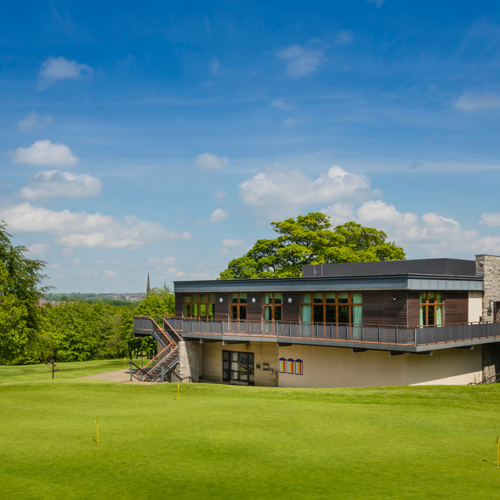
<point>20,291</point>
<point>311,239</point>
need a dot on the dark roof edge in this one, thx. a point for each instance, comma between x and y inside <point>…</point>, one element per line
<point>478,277</point>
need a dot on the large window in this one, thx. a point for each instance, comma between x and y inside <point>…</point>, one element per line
<point>337,308</point>
<point>238,367</point>
<point>273,307</point>
<point>199,306</point>
<point>431,308</point>
<point>238,306</point>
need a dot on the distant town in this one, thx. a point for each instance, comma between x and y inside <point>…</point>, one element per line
<point>56,298</point>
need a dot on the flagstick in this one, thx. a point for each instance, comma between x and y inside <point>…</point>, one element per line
<point>97,425</point>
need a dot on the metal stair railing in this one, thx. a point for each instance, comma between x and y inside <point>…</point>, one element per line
<point>167,362</point>
<point>489,380</point>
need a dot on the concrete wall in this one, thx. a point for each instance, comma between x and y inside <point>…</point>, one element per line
<point>189,362</point>
<point>337,367</point>
<point>264,352</point>
<point>475,306</point>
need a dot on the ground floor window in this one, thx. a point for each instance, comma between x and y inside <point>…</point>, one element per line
<point>238,367</point>
<point>431,309</point>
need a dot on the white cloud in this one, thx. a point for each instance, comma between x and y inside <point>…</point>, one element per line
<point>209,161</point>
<point>223,251</point>
<point>220,195</point>
<point>77,262</point>
<point>218,215</point>
<point>470,101</point>
<point>80,229</point>
<point>280,103</point>
<point>60,68</point>
<point>435,234</point>
<point>56,184</point>
<point>38,249</point>
<point>278,192</point>
<point>34,121</point>
<point>490,220</point>
<point>175,272</point>
<point>289,122</point>
<point>235,242</point>
<point>67,252</point>
<point>344,38</point>
<point>214,66</point>
<point>109,273</point>
<point>161,263</point>
<point>45,153</point>
<point>301,60</point>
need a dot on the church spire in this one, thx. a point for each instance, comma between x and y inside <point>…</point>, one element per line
<point>148,288</point>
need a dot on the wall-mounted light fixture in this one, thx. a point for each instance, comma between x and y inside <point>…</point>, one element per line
<point>221,299</point>
<point>289,300</point>
<point>253,300</point>
<point>394,299</point>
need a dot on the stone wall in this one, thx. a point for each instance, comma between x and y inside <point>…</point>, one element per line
<point>189,362</point>
<point>489,266</point>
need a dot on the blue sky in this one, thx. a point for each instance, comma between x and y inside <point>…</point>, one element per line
<point>164,137</point>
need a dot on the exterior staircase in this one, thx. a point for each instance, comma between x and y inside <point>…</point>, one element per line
<point>162,367</point>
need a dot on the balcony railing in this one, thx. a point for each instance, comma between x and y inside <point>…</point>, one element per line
<point>410,337</point>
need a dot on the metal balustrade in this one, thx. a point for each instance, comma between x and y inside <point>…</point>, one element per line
<point>369,334</point>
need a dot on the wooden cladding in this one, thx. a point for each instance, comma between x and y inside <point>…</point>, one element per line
<point>380,308</point>
<point>456,308</point>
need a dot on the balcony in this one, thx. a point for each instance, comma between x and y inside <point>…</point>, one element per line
<point>370,337</point>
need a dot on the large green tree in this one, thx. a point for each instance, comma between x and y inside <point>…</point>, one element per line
<point>21,289</point>
<point>311,239</point>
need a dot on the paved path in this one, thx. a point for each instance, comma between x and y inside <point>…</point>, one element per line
<point>116,376</point>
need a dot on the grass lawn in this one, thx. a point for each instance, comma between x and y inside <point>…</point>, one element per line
<point>227,442</point>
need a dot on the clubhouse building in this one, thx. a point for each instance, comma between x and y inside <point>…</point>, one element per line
<point>412,322</point>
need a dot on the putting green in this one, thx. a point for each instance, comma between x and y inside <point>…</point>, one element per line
<point>245,442</point>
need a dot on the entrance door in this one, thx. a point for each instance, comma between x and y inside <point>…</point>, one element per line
<point>238,367</point>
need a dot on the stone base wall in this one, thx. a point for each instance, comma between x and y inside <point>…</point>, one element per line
<point>188,369</point>
<point>489,267</point>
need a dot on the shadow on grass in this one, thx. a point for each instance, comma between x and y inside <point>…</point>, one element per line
<point>490,463</point>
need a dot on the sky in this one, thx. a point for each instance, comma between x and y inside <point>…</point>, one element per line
<point>164,137</point>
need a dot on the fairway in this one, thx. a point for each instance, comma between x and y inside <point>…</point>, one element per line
<point>244,442</point>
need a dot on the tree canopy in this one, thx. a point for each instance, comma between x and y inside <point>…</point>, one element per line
<point>311,239</point>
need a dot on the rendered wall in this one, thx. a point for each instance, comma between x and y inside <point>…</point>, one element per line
<point>264,352</point>
<point>337,367</point>
<point>475,306</point>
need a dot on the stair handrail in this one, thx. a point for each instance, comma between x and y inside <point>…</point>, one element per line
<point>170,357</point>
<point>151,361</point>
<point>179,338</point>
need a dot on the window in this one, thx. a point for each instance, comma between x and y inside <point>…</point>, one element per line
<point>273,307</point>
<point>199,306</point>
<point>329,307</point>
<point>431,308</point>
<point>238,306</point>
<point>238,367</point>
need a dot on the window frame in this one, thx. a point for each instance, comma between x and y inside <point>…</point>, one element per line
<point>434,305</point>
<point>271,305</point>
<point>238,304</point>
<point>324,304</point>
<point>199,303</point>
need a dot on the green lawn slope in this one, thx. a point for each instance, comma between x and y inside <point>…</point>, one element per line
<point>225,442</point>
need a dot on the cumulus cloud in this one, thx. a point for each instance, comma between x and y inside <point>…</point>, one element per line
<point>38,249</point>
<point>302,60</point>
<point>278,192</point>
<point>56,184</point>
<point>34,121</point>
<point>109,273</point>
<point>209,161</point>
<point>470,101</point>
<point>220,195</point>
<point>77,262</point>
<point>235,242</point>
<point>218,215</point>
<point>490,220</point>
<point>280,103</point>
<point>433,233</point>
<point>60,68</point>
<point>81,229</point>
<point>45,153</point>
